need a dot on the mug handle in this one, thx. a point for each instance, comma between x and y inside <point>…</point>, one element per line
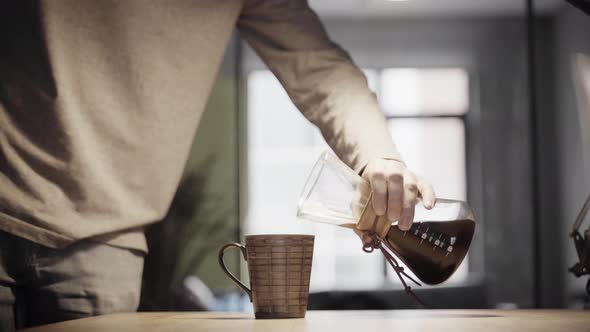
<point>229,274</point>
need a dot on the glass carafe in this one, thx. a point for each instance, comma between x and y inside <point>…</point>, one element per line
<point>433,248</point>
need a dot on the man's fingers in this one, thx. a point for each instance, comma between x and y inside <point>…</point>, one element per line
<point>410,190</point>
<point>379,186</point>
<point>382,227</point>
<point>428,195</point>
<point>409,201</point>
<point>395,193</point>
<point>406,219</point>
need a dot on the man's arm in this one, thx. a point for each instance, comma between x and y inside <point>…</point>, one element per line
<point>326,86</point>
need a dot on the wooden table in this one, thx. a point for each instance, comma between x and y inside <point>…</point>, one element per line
<point>337,321</point>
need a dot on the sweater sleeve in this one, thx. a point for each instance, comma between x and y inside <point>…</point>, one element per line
<point>319,77</point>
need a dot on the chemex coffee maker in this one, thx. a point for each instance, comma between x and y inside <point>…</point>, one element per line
<point>433,248</point>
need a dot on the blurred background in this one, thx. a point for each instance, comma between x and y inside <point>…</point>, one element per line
<point>480,97</point>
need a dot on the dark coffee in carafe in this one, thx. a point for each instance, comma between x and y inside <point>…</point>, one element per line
<point>432,250</point>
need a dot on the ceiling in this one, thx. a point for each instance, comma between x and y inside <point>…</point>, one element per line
<point>428,8</point>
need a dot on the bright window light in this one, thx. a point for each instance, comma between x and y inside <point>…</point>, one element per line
<point>417,91</point>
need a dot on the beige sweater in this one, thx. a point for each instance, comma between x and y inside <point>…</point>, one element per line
<point>100,100</point>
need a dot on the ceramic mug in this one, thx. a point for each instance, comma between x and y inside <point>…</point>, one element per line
<point>279,267</point>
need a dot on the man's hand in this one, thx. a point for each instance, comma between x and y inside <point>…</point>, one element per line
<point>395,193</point>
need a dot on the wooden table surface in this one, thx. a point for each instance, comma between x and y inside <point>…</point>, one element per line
<point>337,321</point>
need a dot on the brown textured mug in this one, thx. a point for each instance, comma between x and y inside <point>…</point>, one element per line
<point>279,267</point>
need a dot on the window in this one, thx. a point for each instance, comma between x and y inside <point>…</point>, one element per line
<point>424,109</point>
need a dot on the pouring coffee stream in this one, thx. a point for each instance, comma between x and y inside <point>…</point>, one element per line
<point>433,248</point>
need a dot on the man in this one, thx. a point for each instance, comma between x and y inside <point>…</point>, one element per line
<point>99,101</point>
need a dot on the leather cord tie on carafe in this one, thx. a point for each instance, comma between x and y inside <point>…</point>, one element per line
<point>376,243</point>
<point>372,241</point>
